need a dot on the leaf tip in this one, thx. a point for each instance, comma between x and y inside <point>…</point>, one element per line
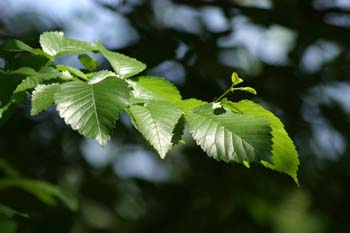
<point>246,163</point>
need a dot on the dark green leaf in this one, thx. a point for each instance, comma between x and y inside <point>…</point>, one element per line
<point>10,213</point>
<point>45,192</point>
<point>19,46</point>
<point>34,78</point>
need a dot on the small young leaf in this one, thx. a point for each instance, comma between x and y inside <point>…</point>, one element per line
<point>123,66</point>
<point>88,62</point>
<point>229,136</point>
<point>146,89</point>
<point>156,124</point>
<point>43,97</point>
<point>285,156</point>
<point>56,45</point>
<point>235,79</point>
<point>246,89</point>
<point>92,109</point>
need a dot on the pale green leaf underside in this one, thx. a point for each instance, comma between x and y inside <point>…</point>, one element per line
<point>285,156</point>
<point>156,121</point>
<point>92,109</point>
<point>229,136</point>
<point>101,75</point>
<point>147,88</point>
<point>56,45</point>
<point>123,66</point>
<point>43,97</point>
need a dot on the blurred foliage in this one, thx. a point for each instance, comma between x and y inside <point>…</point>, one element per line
<point>296,55</point>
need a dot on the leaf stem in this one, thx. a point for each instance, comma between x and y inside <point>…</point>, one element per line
<point>231,89</point>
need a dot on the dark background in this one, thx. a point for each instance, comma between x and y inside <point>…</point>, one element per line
<point>296,54</point>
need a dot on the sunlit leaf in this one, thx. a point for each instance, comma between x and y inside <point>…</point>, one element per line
<point>156,121</point>
<point>146,89</point>
<point>235,79</point>
<point>88,62</point>
<point>92,109</point>
<point>285,156</point>
<point>123,66</point>
<point>100,76</point>
<point>229,136</point>
<point>56,45</point>
<point>43,97</point>
<point>190,104</point>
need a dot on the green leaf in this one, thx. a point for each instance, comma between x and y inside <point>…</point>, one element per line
<point>246,89</point>
<point>179,131</point>
<point>9,82</point>
<point>229,136</point>
<point>190,104</point>
<point>34,78</point>
<point>146,89</point>
<point>92,109</point>
<point>156,121</point>
<point>8,225</point>
<point>10,213</point>
<point>19,46</point>
<point>56,45</point>
<point>285,156</point>
<point>45,192</point>
<point>100,76</point>
<point>7,169</point>
<point>235,79</point>
<point>124,66</point>
<point>43,97</point>
<point>72,71</point>
<point>6,107</point>
<point>34,61</point>
<point>88,62</point>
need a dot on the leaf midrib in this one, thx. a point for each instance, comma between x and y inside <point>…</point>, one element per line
<point>95,112</point>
